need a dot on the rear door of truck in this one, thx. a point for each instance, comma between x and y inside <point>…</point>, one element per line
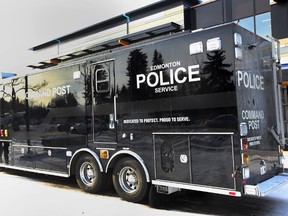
<point>256,106</point>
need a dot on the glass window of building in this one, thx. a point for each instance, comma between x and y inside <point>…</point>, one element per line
<point>260,24</point>
<point>247,23</point>
<point>263,25</point>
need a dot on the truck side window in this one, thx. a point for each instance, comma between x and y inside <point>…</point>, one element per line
<point>102,80</point>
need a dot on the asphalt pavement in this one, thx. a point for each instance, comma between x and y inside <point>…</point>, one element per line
<point>27,194</point>
<point>22,194</point>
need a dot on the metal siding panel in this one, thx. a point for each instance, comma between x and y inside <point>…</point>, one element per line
<point>242,9</point>
<point>215,17</point>
<point>212,160</point>
<point>279,17</point>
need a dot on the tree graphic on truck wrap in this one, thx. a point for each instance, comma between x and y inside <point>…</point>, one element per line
<point>137,64</point>
<point>215,76</point>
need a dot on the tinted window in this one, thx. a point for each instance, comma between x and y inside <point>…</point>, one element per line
<point>263,25</point>
<point>102,80</point>
<point>247,23</point>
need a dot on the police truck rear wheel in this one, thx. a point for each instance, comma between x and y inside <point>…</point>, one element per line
<point>88,175</point>
<point>129,180</point>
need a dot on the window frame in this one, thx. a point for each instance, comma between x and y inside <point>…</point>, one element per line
<point>97,82</point>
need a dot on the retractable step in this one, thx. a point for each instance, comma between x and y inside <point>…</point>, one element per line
<point>273,184</point>
<point>264,189</point>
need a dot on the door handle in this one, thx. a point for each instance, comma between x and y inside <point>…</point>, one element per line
<point>115,108</point>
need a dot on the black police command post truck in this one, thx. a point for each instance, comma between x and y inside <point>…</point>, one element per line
<point>191,111</point>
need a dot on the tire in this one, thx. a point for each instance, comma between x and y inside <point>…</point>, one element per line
<point>129,180</point>
<point>88,175</point>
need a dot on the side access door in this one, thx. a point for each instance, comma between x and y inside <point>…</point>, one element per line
<point>104,104</point>
<point>200,159</point>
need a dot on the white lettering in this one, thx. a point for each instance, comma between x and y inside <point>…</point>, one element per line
<point>162,83</point>
<point>254,140</point>
<point>254,117</point>
<point>151,120</point>
<point>165,119</point>
<point>181,69</point>
<point>252,114</point>
<point>61,90</point>
<point>165,66</point>
<point>254,124</point>
<point>252,81</point>
<point>131,121</point>
<point>149,79</point>
<point>162,78</point>
<point>191,73</point>
<point>240,78</point>
<point>171,77</point>
<point>166,89</point>
<point>140,78</point>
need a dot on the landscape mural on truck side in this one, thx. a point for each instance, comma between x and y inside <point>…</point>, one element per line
<point>27,104</point>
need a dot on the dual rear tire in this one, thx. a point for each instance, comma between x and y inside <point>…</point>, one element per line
<point>88,175</point>
<point>128,178</point>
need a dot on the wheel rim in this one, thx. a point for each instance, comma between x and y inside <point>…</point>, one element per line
<point>87,174</point>
<point>128,179</point>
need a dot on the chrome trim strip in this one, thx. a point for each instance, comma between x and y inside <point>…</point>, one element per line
<point>233,160</point>
<point>112,149</point>
<point>154,155</point>
<point>133,154</point>
<point>190,159</point>
<point>195,133</point>
<point>45,147</point>
<point>115,107</point>
<point>5,140</point>
<point>35,171</point>
<point>106,143</point>
<point>203,188</point>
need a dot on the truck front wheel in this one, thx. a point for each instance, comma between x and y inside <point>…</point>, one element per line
<point>88,175</point>
<point>129,180</point>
